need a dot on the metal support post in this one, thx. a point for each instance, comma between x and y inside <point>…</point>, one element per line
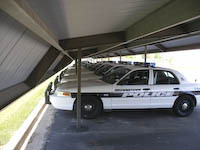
<point>78,125</point>
<point>76,65</point>
<point>120,57</point>
<point>145,54</point>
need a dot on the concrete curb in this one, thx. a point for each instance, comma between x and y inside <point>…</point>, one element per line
<point>16,142</point>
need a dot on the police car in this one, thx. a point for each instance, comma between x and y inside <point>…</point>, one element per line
<point>70,74</point>
<point>106,69</point>
<point>84,71</point>
<point>72,71</point>
<point>129,87</point>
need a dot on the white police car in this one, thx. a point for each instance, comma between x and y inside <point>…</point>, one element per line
<point>72,71</point>
<point>107,68</point>
<point>84,71</point>
<point>70,74</point>
<point>130,87</point>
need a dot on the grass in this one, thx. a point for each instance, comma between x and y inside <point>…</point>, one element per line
<point>12,117</point>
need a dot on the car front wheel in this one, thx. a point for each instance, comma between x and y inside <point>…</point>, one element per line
<point>91,107</point>
<point>183,106</point>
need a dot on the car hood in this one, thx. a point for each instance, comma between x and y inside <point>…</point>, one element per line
<point>83,77</point>
<point>87,86</point>
<point>74,73</point>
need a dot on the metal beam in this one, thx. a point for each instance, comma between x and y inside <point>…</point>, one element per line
<point>63,63</point>
<point>100,50</point>
<point>88,52</point>
<point>161,47</point>
<point>94,40</point>
<point>186,47</point>
<point>42,67</point>
<point>149,40</point>
<point>190,29</point>
<point>174,13</point>
<point>83,52</point>
<point>177,48</point>
<point>23,13</point>
<point>170,16</point>
<point>78,123</point>
<point>50,71</point>
<point>73,55</point>
<point>131,51</point>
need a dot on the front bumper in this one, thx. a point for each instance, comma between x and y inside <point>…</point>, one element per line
<point>59,102</point>
<point>62,102</point>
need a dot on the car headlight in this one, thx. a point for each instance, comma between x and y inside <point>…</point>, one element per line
<point>63,94</point>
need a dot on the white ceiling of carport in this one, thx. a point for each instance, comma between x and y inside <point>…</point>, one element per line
<point>77,18</point>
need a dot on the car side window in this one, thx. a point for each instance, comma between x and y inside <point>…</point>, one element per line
<point>164,77</point>
<point>139,77</point>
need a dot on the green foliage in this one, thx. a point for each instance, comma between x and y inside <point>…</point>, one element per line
<point>13,116</point>
<point>157,56</point>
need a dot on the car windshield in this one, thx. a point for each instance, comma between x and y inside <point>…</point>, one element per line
<point>112,70</point>
<point>113,76</point>
<point>99,67</point>
<point>103,70</point>
<point>94,66</point>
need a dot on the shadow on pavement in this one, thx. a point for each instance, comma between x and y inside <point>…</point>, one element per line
<point>127,130</point>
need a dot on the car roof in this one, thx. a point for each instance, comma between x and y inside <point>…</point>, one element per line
<point>148,67</point>
<point>131,67</point>
<point>180,76</point>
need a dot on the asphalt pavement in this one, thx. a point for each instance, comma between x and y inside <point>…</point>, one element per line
<point>123,130</point>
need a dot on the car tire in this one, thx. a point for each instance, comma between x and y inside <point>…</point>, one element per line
<point>184,106</point>
<point>91,107</point>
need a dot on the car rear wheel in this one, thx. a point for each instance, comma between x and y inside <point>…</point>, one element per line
<point>183,106</point>
<point>91,107</point>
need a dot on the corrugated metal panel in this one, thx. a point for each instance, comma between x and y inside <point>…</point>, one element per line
<point>20,51</point>
<point>139,49</point>
<point>182,42</point>
<point>76,18</point>
<point>58,59</point>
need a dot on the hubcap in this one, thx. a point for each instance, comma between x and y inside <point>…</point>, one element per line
<point>184,106</point>
<point>88,107</point>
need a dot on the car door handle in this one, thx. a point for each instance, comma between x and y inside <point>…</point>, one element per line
<point>146,89</point>
<point>176,88</point>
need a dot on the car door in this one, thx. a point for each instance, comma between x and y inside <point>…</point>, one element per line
<point>165,84</point>
<point>132,91</point>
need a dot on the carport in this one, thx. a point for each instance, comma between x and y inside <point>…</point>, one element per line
<point>39,38</point>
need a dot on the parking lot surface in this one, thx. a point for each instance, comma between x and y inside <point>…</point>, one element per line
<point>124,130</point>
